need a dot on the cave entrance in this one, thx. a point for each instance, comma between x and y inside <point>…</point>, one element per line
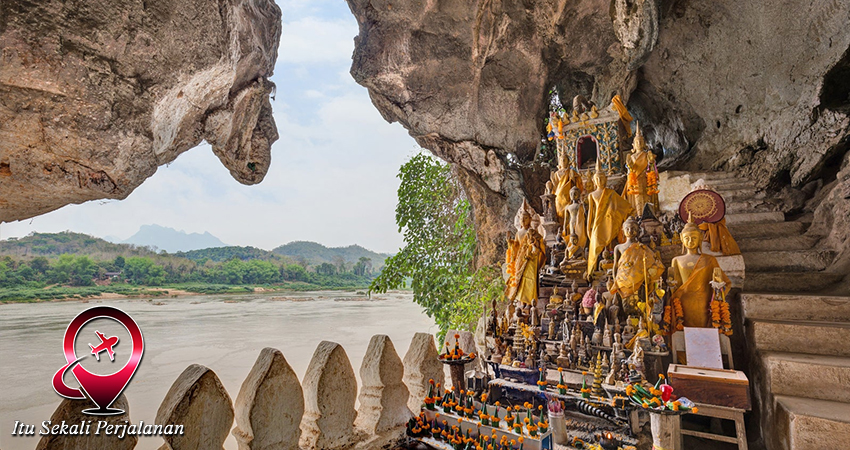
<point>587,152</point>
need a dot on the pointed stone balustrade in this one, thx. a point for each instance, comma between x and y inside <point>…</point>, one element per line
<point>270,405</point>
<point>274,411</point>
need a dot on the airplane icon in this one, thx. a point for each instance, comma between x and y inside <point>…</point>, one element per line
<point>105,344</point>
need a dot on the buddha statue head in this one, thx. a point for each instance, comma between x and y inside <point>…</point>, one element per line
<point>639,144</point>
<point>575,194</point>
<point>600,178</point>
<point>691,237</point>
<point>631,228</point>
<point>573,240</point>
<point>526,220</point>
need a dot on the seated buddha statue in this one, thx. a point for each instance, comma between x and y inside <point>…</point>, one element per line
<point>635,264</point>
<point>691,274</point>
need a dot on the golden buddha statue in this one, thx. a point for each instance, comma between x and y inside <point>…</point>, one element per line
<point>563,181</point>
<point>692,274</point>
<point>528,255</point>
<point>642,182</point>
<point>606,213</point>
<point>635,264</point>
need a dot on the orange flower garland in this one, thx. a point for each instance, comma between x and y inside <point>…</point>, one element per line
<point>674,316</point>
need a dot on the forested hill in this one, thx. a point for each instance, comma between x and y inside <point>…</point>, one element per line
<point>55,244</point>
<point>308,254</point>
<point>315,254</point>
<point>218,254</point>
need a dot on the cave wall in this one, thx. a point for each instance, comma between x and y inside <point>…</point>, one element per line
<point>760,88</point>
<point>96,94</point>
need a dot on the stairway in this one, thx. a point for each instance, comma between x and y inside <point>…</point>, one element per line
<point>798,345</point>
<point>777,255</point>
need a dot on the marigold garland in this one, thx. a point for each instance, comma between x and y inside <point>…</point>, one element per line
<point>674,316</point>
<point>721,318</point>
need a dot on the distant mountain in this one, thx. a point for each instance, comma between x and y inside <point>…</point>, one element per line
<point>315,254</point>
<point>171,240</point>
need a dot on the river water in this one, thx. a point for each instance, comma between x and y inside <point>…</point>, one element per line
<point>224,333</point>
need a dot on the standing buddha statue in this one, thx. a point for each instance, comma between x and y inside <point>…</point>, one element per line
<point>606,213</point>
<point>642,182</point>
<point>563,181</point>
<point>529,257</point>
<point>692,274</point>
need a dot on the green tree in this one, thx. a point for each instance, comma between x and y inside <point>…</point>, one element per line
<point>439,246</point>
<point>119,262</point>
<point>326,269</point>
<point>73,270</point>
<point>40,264</point>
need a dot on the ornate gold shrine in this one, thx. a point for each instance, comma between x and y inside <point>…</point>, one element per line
<point>591,136</point>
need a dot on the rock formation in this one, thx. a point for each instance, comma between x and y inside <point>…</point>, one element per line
<point>198,401</point>
<point>330,391</point>
<point>95,96</point>
<point>737,86</point>
<point>420,366</point>
<point>270,405</point>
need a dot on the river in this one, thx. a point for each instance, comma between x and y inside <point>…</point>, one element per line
<point>224,333</point>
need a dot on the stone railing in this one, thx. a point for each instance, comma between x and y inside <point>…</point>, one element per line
<point>274,410</point>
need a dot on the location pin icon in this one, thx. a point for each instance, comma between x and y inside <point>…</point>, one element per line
<point>100,389</point>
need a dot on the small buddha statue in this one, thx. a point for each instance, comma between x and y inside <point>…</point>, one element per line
<point>606,337</point>
<point>508,359</point>
<point>617,348</point>
<point>555,299</point>
<point>628,330</point>
<point>692,274</point>
<point>606,213</point>
<point>534,318</point>
<point>563,358</point>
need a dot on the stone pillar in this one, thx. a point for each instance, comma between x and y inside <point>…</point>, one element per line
<point>270,405</point>
<point>198,401</point>
<point>330,390</point>
<point>421,363</point>
<point>383,395</point>
<point>666,431</point>
<point>70,411</point>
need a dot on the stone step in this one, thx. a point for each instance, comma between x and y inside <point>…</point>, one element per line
<point>806,424</point>
<point>771,216</point>
<point>788,260</point>
<point>808,376</point>
<point>732,197</point>
<point>795,307</point>
<point>752,205</point>
<point>765,229</point>
<point>793,242</point>
<point>789,281</point>
<point>800,336</point>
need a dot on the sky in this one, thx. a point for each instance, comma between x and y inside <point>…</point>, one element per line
<point>332,178</point>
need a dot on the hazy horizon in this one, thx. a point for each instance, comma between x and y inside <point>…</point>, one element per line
<point>332,178</point>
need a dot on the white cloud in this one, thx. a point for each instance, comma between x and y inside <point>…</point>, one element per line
<point>314,40</point>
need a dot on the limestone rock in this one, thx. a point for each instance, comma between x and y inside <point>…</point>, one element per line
<point>97,95</point>
<point>70,411</point>
<point>330,391</point>
<point>197,400</point>
<point>270,405</point>
<point>421,363</point>
<point>726,85</point>
<point>383,395</point>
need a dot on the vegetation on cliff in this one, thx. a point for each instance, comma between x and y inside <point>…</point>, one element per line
<point>439,247</point>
